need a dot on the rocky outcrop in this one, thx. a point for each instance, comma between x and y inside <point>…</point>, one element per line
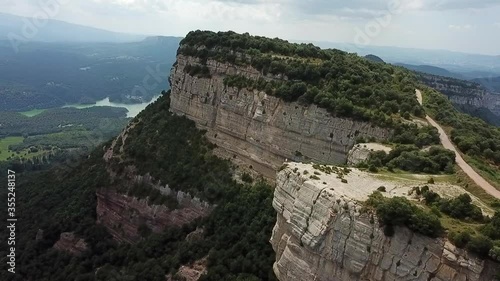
<point>322,234</point>
<point>258,130</point>
<point>70,243</point>
<point>191,272</point>
<point>361,151</point>
<point>123,215</point>
<point>39,235</point>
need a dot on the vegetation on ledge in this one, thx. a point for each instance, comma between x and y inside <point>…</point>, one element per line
<point>484,240</point>
<point>399,211</point>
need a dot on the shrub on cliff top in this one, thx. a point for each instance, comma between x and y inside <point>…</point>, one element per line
<point>399,211</point>
<point>411,158</point>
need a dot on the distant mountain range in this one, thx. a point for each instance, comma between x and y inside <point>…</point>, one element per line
<point>434,70</point>
<point>490,83</point>
<point>463,65</point>
<point>58,31</point>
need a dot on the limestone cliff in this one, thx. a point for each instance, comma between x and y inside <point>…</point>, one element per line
<point>321,234</point>
<point>253,128</point>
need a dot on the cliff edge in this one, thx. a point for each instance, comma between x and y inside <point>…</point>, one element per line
<point>323,233</point>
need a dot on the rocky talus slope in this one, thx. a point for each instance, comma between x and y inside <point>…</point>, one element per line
<point>321,234</point>
<point>253,128</point>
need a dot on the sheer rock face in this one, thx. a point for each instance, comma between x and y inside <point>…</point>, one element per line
<point>122,215</point>
<point>253,128</point>
<point>321,235</point>
<point>68,242</point>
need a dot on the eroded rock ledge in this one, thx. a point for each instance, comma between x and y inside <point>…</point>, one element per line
<point>321,235</point>
<point>253,128</point>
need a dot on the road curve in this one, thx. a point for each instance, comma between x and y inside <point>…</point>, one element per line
<point>480,181</point>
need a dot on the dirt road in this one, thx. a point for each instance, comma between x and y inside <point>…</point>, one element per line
<point>480,181</point>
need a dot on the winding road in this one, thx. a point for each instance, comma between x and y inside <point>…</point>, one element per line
<point>445,140</point>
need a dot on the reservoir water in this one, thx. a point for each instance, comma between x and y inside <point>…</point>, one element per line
<point>133,109</point>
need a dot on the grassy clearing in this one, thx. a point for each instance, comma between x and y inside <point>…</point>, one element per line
<point>455,225</point>
<point>486,170</point>
<point>4,146</point>
<point>33,112</point>
<point>469,185</point>
<point>459,178</point>
<point>5,152</point>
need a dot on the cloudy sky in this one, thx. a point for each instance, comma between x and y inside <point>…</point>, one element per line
<point>462,25</point>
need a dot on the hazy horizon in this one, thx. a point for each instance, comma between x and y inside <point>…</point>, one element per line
<point>462,26</point>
